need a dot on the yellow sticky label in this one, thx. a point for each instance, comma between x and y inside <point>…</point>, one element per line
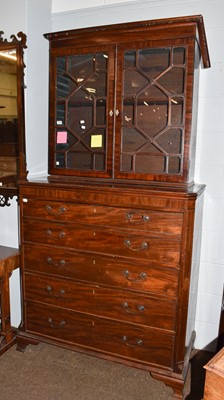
<point>96,141</point>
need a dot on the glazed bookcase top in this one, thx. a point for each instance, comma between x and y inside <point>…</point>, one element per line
<point>123,101</point>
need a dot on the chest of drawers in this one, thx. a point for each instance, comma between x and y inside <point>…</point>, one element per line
<point>107,271</point>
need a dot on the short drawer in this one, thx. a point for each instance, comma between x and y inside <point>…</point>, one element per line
<point>127,218</point>
<point>105,302</point>
<point>122,340</point>
<point>112,271</point>
<point>103,241</point>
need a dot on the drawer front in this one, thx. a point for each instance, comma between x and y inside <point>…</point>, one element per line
<point>127,218</point>
<point>158,279</point>
<point>103,241</point>
<point>110,337</point>
<point>115,304</point>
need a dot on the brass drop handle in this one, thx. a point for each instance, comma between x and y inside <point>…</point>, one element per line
<point>61,234</point>
<point>50,210</point>
<point>140,277</point>
<point>49,233</point>
<point>52,262</point>
<point>56,264</point>
<point>137,217</point>
<point>127,308</point>
<point>132,343</point>
<point>54,325</point>
<point>143,246</point>
<point>51,292</point>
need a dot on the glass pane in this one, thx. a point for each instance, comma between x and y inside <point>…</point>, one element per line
<point>174,165</point>
<point>179,55</point>
<point>60,116</point>
<point>150,149</point>
<point>79,160</point>
<point>61,64</point>
<point>101,112</point>
<point>128,112</point>
<point>173,80</point>
<point>126,163</point>
<point>152,118</point>
<point>132,139</point>
<point>133,82</point>
<point>81,66</point>
<point>101,61</point>
<point>152,164</point>
<point>64,139</point>
<point>80,113</point>
<point>60,160</point>
<point>153,110</point>
<point>97,84</point>
<point>65,86</point>
<point>177,110</point>
<point>82,84</point>
<point>95,140</point>
<point>170,141</point>
<point>99,162</point>
<point>79,147</point>
<point>130,58</point>
<point>153,61</point>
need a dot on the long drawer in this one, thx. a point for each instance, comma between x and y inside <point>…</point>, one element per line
<point>112,271</point>
<point>103,241</point>
<point>95,300</point>
<point>113,338</point>
<point>127,218</point>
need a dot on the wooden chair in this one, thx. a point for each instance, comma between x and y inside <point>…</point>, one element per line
<point>9,261</point>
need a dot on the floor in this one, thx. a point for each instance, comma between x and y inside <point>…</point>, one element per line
<point>46,372</point>
<point>199,359</point>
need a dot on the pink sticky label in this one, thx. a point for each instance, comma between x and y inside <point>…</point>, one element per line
<point>62,137</point>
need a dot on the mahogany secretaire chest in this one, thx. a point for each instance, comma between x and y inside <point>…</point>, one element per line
<point>109,264</point>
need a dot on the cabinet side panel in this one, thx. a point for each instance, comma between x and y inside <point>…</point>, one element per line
<point>195,268</point>
<point>194,114</point>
